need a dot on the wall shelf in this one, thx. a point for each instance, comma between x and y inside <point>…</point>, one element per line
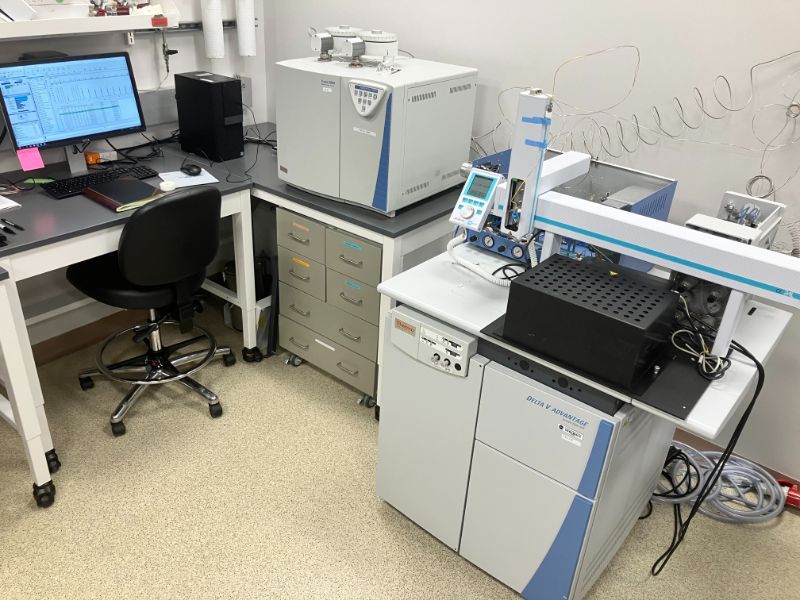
<point>72,19</point>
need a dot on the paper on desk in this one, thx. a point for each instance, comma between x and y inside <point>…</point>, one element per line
<point>181,179</point>
<point>6,203</point>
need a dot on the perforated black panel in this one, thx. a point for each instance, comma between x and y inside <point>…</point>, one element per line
<point>594,316</point>
<point>604,287</point>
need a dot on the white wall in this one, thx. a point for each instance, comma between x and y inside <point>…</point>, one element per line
<point>683,44</point>
<point>47,293</point>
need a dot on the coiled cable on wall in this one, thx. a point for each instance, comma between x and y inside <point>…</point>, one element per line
<point>625,135</point>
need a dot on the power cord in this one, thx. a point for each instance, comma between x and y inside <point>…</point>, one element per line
<point>712,477</point>
<point>693,342</point>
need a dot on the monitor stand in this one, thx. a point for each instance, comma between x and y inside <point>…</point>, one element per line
<point>76,160</point>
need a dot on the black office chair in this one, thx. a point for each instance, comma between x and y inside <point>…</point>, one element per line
<point>160,265</point>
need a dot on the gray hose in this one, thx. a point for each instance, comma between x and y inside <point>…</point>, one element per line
<point>745,492</point>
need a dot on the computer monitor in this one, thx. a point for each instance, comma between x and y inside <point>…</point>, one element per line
<point>69,100</point>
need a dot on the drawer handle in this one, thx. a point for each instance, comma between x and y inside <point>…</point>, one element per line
<point>300,277</point>
<point>300,311</point>
<point>298,239</point>
<point>350,261</point>
<point>298,344</point>
<point>349,336</point>
<point>346,370</point>
<point>346,298</point>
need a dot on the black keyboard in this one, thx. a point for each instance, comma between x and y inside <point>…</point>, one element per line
<point>72,186</point>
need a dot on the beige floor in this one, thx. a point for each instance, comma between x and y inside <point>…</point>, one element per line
<point>276,500</point>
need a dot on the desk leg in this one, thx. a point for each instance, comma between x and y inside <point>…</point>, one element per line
<point>245,278</point>
<point>24,392</point>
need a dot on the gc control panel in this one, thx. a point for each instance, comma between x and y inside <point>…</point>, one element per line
<point>476,199</point>
<point>430,342</point>
<point>442,351</point>
<point>366,96</point>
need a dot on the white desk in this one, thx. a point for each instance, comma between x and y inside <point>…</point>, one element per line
<point>59,233</point>
<point>457,296</point>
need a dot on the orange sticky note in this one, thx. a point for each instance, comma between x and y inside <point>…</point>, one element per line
<point>30,159</point>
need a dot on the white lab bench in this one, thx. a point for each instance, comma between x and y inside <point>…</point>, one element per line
<point>458,297</point>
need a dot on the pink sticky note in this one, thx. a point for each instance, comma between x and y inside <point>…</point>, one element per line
<point>30,159</point>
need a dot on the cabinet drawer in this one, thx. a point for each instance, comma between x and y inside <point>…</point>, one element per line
<point>295,338</point>
<point>301,272</point>
<point>343,364</point>
<point>303,308</point>
<point>353,296</point>
<point>341,327</point>
<point>353,256</point>
<point>300,234</point>
<point>351,332</point>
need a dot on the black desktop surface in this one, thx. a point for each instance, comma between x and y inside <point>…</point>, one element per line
<point>47,220</point>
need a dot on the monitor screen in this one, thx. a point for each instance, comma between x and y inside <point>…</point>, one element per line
<point>57,102</point>
<point>480,187</point>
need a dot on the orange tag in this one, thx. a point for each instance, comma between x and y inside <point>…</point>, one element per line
<point>300,262</point>
<point>403,326</point>
<point>158,21</point>
<point>300,227</point>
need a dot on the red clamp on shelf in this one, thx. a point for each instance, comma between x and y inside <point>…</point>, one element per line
<point>792,493</point>
<point>158,21</point>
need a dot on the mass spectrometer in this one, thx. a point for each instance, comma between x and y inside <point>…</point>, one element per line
<point>380,135</point>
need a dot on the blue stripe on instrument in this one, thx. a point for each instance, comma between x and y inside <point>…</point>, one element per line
<point>670,257</point>
<point>537,120</point>
<point>536,144</point>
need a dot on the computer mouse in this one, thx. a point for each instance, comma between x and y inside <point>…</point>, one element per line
<point>191,169</point>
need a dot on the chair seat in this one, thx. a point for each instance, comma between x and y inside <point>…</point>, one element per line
<point>100,278</point>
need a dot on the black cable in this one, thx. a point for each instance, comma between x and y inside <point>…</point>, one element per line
<point>649,511</point>
<point>680,527</point>
<point>509,272</point>
<point>120,152</point>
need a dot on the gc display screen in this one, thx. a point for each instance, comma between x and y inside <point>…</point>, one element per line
<point>480,186</point>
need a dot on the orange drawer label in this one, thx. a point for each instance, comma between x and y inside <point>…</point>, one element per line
<point>300,261</point>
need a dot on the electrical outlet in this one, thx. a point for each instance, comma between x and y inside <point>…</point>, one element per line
<point>247,90</point>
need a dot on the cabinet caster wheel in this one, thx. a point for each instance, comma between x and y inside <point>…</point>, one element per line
<point>86,383</point>
<point>252,355</point>
<point>118,429</point>
<point>215,410</point>
<point>377,413</point>
<point>53,464</point>
<point>294,360</point>
<point>44,494</point>
<point>229,360</point>
<point>368,401</point>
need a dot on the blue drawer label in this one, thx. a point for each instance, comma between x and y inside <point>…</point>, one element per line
<point>353,284</point>
<point>353,245</point>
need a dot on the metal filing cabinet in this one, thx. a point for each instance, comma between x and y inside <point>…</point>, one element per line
<point>329,305</point>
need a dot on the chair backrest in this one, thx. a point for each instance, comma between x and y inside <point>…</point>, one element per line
<point>171,238</point>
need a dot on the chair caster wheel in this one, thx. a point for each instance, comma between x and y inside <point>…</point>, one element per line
<point>118,429</point>
<point>44,494</point>
<point>53,464</point>
<point>86,383</point>
<point>229,360</point>
<point>252,355</point>
<point>368,401</point>
<point>215,410</point>
<point>294,360</point>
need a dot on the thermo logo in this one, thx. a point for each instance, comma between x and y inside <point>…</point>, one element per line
<point>405,327</point>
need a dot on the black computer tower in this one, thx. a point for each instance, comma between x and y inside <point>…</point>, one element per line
<point>210,115</point>
<point>608,321</point>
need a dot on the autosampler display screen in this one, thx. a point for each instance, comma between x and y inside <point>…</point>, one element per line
<point>480,186</point>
